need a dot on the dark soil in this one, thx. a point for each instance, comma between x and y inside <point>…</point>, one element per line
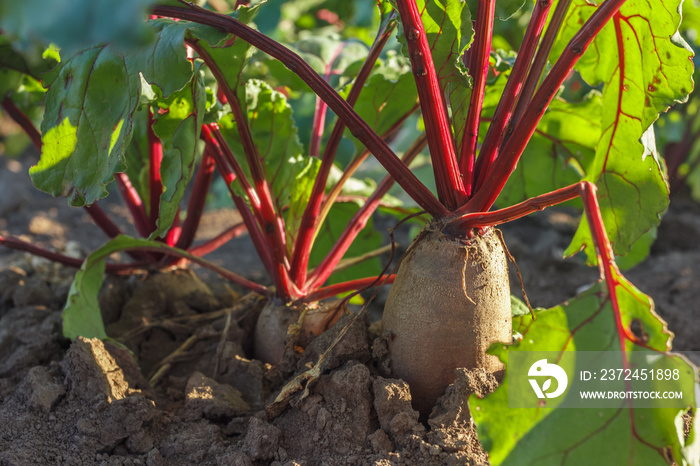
<point>185,389</point>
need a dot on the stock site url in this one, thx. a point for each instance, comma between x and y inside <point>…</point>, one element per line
<point>630,395</point>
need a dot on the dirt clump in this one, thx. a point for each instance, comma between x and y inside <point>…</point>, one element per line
<point>202,400</point>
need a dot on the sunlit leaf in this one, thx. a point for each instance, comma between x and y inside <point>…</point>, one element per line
<point>573,436</point>
<point>95,93</point>
<point>86,124</point>
<point>645,67</point>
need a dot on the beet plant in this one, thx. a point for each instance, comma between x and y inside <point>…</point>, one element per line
<point>148,106</point>
<point>499,133</point>
<point>643,67</point>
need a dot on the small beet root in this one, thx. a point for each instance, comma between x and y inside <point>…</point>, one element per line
<point>450,301</point>
<point>280,326</point>
<point>271,331</point>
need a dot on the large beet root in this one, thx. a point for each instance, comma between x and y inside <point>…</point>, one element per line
<point>450,301</point>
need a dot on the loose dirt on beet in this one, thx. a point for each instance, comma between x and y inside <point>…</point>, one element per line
<point>180,394</point>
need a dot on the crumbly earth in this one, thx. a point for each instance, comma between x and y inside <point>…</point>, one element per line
<point>183,388</point>
<point>184,392</point>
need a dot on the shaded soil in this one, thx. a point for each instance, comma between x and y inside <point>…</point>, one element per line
<point>184,388</point>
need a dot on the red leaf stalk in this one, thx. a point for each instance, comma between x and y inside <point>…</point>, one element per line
<point>318,127</point>
<point>311,219</point>
<point>479,70</point>
<point>155,184</point>
<point>219,240</point>
<point>358,222</point>
<point>212,135</point>
<point>266,216</point>
<point>261,238</point>
<point>134,204</point>
<point>271,222</point>
<point>513,149</point>
<point>319,123</point>
<point>23,121</point>
<point>357,126</point>
<point>254,230</point>
<point>20,245</point>
<point>174,231</point>
<point>233,277</point>
<point>344,287</point>
<point>195,205</point>
<point>502,115</point>
<point>450,187</point>
<point>102,220</point>
<point>353,166</point>
<point>533,78</point>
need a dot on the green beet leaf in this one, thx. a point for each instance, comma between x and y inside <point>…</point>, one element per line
<point>572,436</point>
<point>563,144</point>
<point>90,104</point>
<point>91,108</point>
<point>327,54</point>
<point>179,129</point>
<point>645,67</point>
<point>136,155</point>
<point>75,24</point>
<point>230,54</point>
<point>275,135</point>
<point>81,315</point>
<point>86,125</point>
<point>388,95</point>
